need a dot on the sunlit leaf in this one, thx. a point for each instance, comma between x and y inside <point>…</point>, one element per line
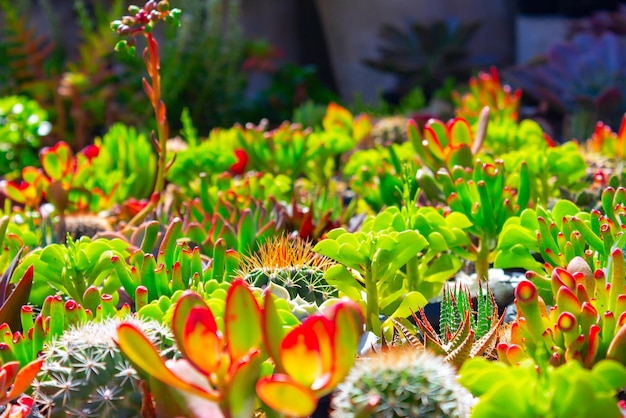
<point>242,320</point>
<point>286,396</point>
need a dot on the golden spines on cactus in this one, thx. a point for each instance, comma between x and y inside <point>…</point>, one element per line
<point>292,264</point>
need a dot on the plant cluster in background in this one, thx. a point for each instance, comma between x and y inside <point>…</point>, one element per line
<point>262,266</point>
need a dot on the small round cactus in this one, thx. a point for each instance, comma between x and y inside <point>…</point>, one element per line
<point>78,225</point>
<point>86,375</point>
<point>401,383</point>
<point>292,264</point>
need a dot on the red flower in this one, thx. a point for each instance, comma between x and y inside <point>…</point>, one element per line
<point>91,152</point>
<point>239,167</point>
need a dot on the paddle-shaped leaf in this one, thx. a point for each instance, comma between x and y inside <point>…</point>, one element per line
<point>347,329</point>
<point>242,320</point>
<point>23,378</point>
<point>142,353</point>
<point>286,396</point>
<point>185,304</point>
<point>272,330</point>
<point>304,352</point>
<point>202,340</point>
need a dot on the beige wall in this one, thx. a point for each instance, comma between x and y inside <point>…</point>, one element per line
<point>351,28</point>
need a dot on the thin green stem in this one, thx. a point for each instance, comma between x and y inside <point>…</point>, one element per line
<point>371,290</point>
<point>412,274</point>
<point>482,260</point>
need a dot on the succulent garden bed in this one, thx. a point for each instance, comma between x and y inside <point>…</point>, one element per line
<point>262,269</point>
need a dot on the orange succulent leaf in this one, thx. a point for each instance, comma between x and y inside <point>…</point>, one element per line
<point>305,352</point>
<point>348,321</point>
<point>242,320</point>
<point>34,175</point>
<point>286,396</point>
<point>23,378</point>
<point>361,127</point>
<point>337,117</point>
<point>202,340</point>
<point>142,353</point>
<point>184,305</point>
<point>57,161</point>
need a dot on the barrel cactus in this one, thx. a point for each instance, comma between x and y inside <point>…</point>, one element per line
<point>292,264</point>
<point>401,383</point>
<point>85,374</point>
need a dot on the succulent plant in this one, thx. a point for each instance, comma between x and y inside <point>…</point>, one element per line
<point>85,373</point>
<point>401,383</point>
<point>72,268</point>
<point>583,77</point>
<point>584,321</point>
<point>464,333</point>
<point>292,264</point>
<point>529,390</point>
<point>485,89</point>
<point>230,361</point>
<point>425,54</point>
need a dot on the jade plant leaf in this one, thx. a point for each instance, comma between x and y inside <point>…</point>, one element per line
<point>286,396</point>
<point>242,320</point>
<point>142,353</point>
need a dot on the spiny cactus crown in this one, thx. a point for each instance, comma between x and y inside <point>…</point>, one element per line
<point>85,373</point>
<point>292,264</point>
<point>401,383</point>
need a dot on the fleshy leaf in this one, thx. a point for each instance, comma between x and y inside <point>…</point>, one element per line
<point>272,329</point>
<point>304,357</point>
<point>24,378</point>
<point>242,320</point>
<point>201,339</point>
<point>142,353</point>
<point>348,320</point>
<point>286,396</point>
<point>57,160</point>
<point>185,304</point>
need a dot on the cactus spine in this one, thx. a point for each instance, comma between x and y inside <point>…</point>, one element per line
<point>401,383</point>
<point>291,264</point>
<point>85,374</point>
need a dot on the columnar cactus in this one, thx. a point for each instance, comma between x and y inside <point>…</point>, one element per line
<point>85,373</point>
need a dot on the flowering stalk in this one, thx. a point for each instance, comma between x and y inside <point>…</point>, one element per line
<point>141,22</point>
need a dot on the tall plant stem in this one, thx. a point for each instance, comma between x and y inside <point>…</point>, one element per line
<point>482,261</point>
<point>372,300</point>
<point>153,91</point>
<point>153,64</point>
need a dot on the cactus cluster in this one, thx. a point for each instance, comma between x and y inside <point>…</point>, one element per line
<point>401,383</point>
<point>291,264</point>
<point>85,374</point>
